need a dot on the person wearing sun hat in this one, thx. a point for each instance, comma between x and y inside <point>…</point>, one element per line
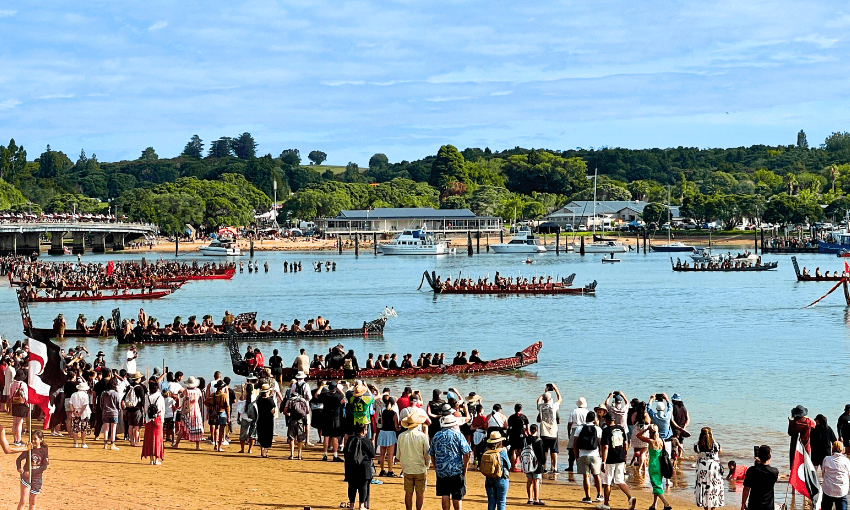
<point>450,454</point>
<point>412,452</point>
<point>497,487</point>
<point>80,414</point>
<point>361,403</point>
<point>799,428</point>
<point>192,426</point>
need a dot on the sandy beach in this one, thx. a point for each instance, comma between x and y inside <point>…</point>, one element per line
<point>97,478</point>
<point>741,241</point>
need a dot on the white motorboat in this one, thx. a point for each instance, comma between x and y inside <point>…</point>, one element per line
<point>218,248</point>
<point>704,255</point>
<point>605,247</point>
<point>414,242</point>
<point>523,242</point>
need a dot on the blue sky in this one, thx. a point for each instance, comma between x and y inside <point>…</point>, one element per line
<point>404,77</point>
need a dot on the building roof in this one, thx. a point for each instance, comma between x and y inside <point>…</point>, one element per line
<point>390,213</point>
<point>604,207</point>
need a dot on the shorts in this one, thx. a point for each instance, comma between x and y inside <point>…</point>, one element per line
<point>615,474</point>
<point>550,444</point>
<point>222,418</point>
<point>516,443</point>
<point>534,476</point>
<point>589,465</point>
<point>80,425</point>
<point>20,410</point>
<point>34,487</point>
<point>414,483</point>
<point>68,406</point>
<point>454,486</point>
<point>168,425</point>
<point>113,419</point>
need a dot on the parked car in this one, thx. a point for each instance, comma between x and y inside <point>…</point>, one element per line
<point>568,227</point>
<point>665,226</point>
<point>582,228</point>
<point>690,226</point>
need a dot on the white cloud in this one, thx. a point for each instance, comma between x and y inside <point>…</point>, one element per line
<point>501,93</point>
<point>158,25</point>
<point>822,42</point>
<point>8,104</point>
<point>443,99</point>
<point>7,13</point>
<point>57,96</point>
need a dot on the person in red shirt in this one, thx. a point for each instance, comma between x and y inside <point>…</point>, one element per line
<point>799,428</point>
<point>404,400</point>
<point>259,359</point>
<point>736,472</point>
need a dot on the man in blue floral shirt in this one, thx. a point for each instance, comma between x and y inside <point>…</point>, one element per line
<point>450,455</point>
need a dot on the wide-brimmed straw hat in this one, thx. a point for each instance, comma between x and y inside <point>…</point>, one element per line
<point>412,420</point>
<point>136,375</point>
<point>192,382</point>
<point>83,386</point>
<point>300,375</point>
<point>448,421</point>
<point>581,402</point>
<point>265,389</point>
<point>360,390</point>
<point>495,437</point>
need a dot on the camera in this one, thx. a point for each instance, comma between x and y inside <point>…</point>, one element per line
<point>659,396</point>
<point>616,393</point>
<point>549,387</point>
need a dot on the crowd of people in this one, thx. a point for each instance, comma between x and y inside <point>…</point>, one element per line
<point>725,263</point>
<point>404,433</point>
<point>499,282</point>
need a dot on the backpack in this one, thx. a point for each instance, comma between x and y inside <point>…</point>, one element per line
<point>490,464</point>
<point>130,398</point>
<point>153,410</point>
<point>348,365</point>
<point>587,438</point>
<point>665,464</point>
<point>527,459</point>
<point>298,407</point>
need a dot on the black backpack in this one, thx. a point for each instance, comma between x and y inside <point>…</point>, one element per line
<point>587,438</point>
<point>665,464</point>
<point>153,410</point>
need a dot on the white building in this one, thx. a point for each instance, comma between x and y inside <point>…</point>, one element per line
<point>610,213</point>
<point>395,219</point>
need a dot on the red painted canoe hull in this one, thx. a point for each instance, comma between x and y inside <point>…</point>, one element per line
<point>151,295</point>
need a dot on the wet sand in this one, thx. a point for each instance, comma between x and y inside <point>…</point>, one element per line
<point>187,479</point>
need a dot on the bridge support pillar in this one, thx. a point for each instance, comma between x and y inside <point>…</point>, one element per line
<point>79,246</point>
<point>56,247</point>
<point>28,243</point>
<point>98,243</point>
<point>118,241</point>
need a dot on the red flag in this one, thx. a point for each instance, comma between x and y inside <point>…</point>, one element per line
<point>110,267</point>
<point>846,269</point>
<point>804,478</point>
<point>46,373</point>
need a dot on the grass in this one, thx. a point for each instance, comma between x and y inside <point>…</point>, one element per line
<point>321,168</point>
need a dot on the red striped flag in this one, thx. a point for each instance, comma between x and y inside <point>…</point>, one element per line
<point>804,478</point>
<point>46,373</point>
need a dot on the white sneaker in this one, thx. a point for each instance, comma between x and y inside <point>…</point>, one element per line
<point>225,442</point>
<point>603,506</point>
<point>56,433</point>
<point>84,446</point>
<point>600,499</point>
<point>76,445</point>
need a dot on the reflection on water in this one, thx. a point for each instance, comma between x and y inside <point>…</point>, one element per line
<point>739,347</point>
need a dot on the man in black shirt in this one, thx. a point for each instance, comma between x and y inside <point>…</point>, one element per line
<point>759,482</point>
<point>517,430</point>
<point>843,427</point>
<point>613,449</point>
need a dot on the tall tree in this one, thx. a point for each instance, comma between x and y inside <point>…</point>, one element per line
<point>194,148</point>
<point>244,146</point>
<point>220,148</point>
<point>148,155</point>
<point>378,162</point>
<point>449,163</point>
<point>290,157</point>
<point>801,140</point>
<point>316,157</point>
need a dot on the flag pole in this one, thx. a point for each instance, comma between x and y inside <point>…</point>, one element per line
<point>29,441</point>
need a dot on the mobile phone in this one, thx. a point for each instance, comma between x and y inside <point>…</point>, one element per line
<point>755,451</point>
<point>616,393</point>
<point>659,396</point>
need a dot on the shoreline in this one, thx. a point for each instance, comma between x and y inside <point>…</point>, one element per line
<point>273,482</point>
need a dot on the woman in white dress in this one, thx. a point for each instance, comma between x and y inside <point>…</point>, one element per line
<point>709,489</point>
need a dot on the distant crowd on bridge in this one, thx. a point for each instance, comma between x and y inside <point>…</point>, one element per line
<point>8,217</point>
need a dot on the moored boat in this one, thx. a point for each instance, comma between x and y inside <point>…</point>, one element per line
<point>414,242</point>
<point>220,248</point>
<point>671,247</point>
<point>835,243</point>
<point>523,242</point>
<point>521,359</point>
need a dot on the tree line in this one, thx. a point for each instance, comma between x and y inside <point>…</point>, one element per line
<point>779,184</point>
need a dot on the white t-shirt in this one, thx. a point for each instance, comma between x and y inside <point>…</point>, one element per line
<point>577,418</point>
<point>175,388</point>
<point>587,453</point>
<point>10,377</point>
<point>130,365</point>
<point>548,421</point>
<point>169,407</point>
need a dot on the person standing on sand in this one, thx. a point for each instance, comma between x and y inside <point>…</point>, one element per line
<point>110,409</point>
<point>31,466</point>
<point>192,419</point>
<point>359,452</point>
<point>709,488</point>
<point>577,418</point>
<point>412,451</point>
<point>80,415</point>
<point>154,409</point>
<point>613,450</point>
<point>266,414</point>
<point>547,415</point>
<point>450,454</point>
<point>842,427</point>
<point>759,483</point>
<point>655,447</point>
<point>586,445</point>
<point>799,428</point>
<point>836,479</point>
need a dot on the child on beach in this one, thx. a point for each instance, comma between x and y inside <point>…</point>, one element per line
<point>31,478</point>
<point>170,407</point>
<point>736,472</point>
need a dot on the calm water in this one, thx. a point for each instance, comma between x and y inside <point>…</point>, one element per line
<point>739,348</point>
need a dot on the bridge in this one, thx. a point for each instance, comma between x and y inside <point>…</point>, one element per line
<point>24,237</point>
